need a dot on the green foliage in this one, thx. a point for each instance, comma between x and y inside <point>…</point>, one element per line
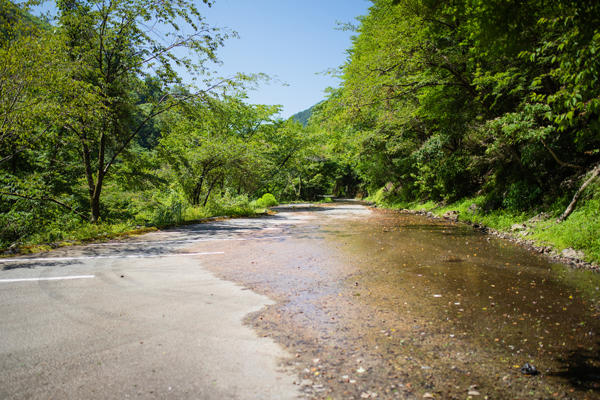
<point>491,101</point>
<point>521,196</point>
<point>169,211</point>
<point>388,197</point>
<point>580,231</point>
<point>446,100</point>
<point>215,143</point>
<point>84,121</point>
<point>114,50</point>
<point>267,200</point>
<point>230,205</point>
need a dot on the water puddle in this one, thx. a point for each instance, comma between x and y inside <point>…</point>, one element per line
<point>465,288</point>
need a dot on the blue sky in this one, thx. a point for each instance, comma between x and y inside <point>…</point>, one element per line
<point>293,41</point>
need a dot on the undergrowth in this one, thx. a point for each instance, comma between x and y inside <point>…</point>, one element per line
<point>170,211</point>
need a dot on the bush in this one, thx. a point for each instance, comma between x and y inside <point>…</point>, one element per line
<point>392,197</point>
<point>229,205</point>
<point>267,200</point>
<point>166,214</point>
<point>521,196</point>
<point>162,209</point>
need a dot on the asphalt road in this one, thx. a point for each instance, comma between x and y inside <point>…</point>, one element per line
<point>140,318</point>
<point>330,302</point>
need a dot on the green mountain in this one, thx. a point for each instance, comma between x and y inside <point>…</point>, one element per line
<point>303,116</point>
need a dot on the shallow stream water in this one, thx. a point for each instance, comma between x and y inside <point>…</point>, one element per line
<point>381,304</point>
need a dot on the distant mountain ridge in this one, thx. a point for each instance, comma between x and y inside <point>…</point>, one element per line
<point>304,116</point>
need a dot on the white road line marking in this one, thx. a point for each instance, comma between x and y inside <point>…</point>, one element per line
<point>182,241</point>
<point>8,260</point>
<point>55,278</point>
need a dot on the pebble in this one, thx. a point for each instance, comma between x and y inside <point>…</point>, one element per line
<point>368,395</point>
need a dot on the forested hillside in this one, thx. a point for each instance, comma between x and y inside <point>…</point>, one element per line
<point>303,116</point>
<point>488,107</point>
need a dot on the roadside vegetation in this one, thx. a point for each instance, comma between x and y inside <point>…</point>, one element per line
<point>100,135</point>
<point>484,107</point>
<point>487,108</point>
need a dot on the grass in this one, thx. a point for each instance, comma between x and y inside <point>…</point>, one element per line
<point>70,233</point>
<point>84,233</point>
<point>581,231</point>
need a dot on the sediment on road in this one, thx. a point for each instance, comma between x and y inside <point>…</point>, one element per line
<point>388,305</point>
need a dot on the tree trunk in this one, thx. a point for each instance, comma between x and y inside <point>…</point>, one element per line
<point>210,188</point>
<point>94,185</point>
<point>95,207</point>
<point>197,191</point>
<point>95,198</point>
<point>222,188</point>
<point>571,207</point>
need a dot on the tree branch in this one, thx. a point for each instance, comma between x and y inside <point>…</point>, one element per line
<point>562,163</point>
<point>48,199</point>
<point>163,51</point>
<point>153,113</point>
<point>571,207</point>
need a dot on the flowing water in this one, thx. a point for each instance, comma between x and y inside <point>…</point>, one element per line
<point>381,304</point>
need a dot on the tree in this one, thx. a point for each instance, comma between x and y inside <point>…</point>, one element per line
<point>115,44</point>
<point>216,141</point>
<point>32,69</point>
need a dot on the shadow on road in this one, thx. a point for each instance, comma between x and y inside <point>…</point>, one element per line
<point>156,246</point>
<point>290,208</point>
<point>32,265</point>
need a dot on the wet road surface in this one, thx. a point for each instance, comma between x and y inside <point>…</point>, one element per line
<point>365,304</point>
<point>377,304</point>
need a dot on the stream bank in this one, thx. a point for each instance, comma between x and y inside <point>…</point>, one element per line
<point>575,241</point>
<point>568,256</point>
